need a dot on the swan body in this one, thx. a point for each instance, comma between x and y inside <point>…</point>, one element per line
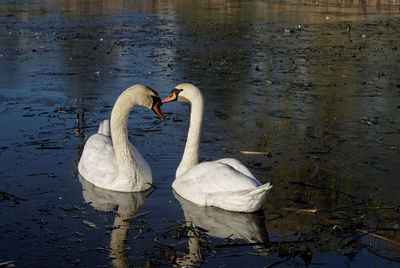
<point>225,183</point>
<point>108,159</point>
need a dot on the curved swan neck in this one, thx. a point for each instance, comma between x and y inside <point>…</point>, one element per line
<point>191,154</point>
<point>119,129</point>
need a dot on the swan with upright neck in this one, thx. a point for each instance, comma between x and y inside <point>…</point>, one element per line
<point>225,183</point>
<point>108,159</point>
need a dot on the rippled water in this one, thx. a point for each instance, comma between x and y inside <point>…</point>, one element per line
<point>311,89</point>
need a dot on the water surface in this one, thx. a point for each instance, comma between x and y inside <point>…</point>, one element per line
<point>312,87</point>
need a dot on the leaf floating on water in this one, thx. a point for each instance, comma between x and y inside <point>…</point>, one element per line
<point>146,221</point>
<point>90,224</point>
<point>102,248</point>
<point>64,111</point>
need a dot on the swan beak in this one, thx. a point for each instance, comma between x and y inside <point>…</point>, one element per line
<point>172,97</point>
<point>157,109</point>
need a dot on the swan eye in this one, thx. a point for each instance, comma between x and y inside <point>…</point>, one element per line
<point>177,91</point>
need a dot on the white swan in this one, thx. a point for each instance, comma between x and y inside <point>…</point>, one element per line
<point>225,183</point>
<point>108,159</point>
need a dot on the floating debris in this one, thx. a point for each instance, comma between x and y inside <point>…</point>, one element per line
<point>255,153</point>
<point>90,224</point>
<point>7,264</point>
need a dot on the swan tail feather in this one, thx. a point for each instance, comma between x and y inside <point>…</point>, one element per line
<point>104,128</point>
<point>248,200</point>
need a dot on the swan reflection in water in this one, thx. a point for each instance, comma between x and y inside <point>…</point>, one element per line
<point>221,223</point>
<point>126,204</point>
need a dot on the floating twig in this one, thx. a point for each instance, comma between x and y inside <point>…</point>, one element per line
<point>305,210</point>
<point>142,214</point>
<point>7,264</point>
<point>379,237</point>
<point>90,224</point>
<point>254,153</point>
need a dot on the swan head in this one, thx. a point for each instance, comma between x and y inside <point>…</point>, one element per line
<point>147,97</point>
<point>183,93</point>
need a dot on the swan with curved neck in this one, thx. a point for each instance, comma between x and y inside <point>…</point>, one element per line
<point>108,159</point>
<point>225,183</point>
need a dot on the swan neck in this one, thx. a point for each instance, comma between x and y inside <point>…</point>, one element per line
<point>119,130</point>
<point>191,153</point>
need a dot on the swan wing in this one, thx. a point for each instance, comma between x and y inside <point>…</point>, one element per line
<point>104,128</point>
<point>209,177</point>
<point>221,185</point>
<point>98,162</point>
<point>248,200</point>
<point>236,164</point>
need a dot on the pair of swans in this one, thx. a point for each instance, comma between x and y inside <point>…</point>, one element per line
<point>110,161</point>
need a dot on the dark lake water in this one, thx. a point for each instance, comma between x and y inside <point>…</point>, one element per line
<point>305,93</point>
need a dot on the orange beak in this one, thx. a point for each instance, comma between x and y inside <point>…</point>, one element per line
<point>157,109</point>
<point>172,97</point>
